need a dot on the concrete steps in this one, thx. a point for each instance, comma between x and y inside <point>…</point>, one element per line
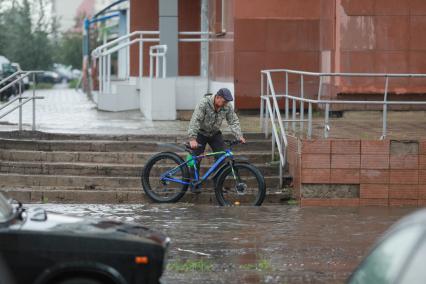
<point>83,168</point>
<point>108,146</point>
<point>92,169</point>
<point>91,181</point>
<point>105,157</point>
<point>69,195</point>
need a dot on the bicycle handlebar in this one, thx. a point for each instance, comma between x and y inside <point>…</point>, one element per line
<point>230,143</point>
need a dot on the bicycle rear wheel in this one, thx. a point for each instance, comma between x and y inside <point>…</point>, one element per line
<point>242,185</point>
<point>158,189</point>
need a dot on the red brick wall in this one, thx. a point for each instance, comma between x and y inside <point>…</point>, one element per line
<point>388,173</point>
<point>380,36</point>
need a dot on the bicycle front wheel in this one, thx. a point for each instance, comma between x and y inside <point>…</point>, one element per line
<point>166,164</point>
<point>242,184</point>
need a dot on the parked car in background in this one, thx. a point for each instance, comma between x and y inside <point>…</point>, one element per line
<point>399,256</point>
<point>46,248</point>
<point>49,77</point>
<point>6,69</point>
<point>65,72</point>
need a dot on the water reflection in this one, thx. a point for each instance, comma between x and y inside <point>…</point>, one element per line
<point>269,244</point>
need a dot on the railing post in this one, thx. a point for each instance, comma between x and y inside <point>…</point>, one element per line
<point>326,119</point>
<point>262,103</point>
<point>140,56</point>
<point>293,124</point>
<point>268,90</point>
<point>385,109</point>
<point>100,74</point>
<point>157,66</point>
<point>109,73</point>
<point>310,121</point>
<point>286,100</point>
<point>164,66</point>
<point>302,104</point>
<point>20,106</point>
<point>34,102</point>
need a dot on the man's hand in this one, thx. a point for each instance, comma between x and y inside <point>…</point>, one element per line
<point>193,143</point>
<point>243,140</point>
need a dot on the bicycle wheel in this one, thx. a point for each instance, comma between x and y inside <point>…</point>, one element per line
<point>249,190</point>
<point>160,190</point>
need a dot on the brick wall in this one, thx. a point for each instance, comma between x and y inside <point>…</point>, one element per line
<point>358,172</point>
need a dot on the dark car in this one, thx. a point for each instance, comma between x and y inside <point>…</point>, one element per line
<point>46,248</point>
<point>8,69</point>
<point>399,256</point>
<point>49,77</point>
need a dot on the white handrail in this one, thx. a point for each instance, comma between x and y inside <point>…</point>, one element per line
<point>157,51</point>
<point>103,53</point>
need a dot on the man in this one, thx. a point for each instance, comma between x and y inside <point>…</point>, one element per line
<point>204,127</point>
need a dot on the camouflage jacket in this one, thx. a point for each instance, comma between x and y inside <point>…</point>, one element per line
<point>207,121</point>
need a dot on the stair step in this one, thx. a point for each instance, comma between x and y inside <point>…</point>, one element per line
<point>91,169</point>
<point>109,146</point>
<point>26,195</point>
<point>107,157</point>
<point>38,135</point>
<point>24,180</point>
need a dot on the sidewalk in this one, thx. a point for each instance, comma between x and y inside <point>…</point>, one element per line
<point>68,111</point>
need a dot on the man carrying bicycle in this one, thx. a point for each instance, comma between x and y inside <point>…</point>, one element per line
<point>204,127</point>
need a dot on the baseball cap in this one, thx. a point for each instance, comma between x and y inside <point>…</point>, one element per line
<point>226,94</point>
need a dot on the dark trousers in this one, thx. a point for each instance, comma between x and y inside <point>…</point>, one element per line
<point>215,142</point>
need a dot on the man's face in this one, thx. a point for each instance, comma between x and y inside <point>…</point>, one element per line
<point>220,102</point>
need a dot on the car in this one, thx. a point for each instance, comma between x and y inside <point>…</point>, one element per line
<point>49,77</point>
<point>45,248</point>
<point>399,256</point>
<point>7,69</point>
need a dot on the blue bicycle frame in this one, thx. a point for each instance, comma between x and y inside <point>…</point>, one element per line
<point>224,154</point>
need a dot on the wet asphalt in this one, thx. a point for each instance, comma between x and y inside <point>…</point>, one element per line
<point>268,244</point>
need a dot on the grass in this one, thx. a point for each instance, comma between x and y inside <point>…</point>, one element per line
<point>72,84</point>
<point>43,86</point>
<point>190,266</point>
<point>293,202</point>
<point>262,265</point>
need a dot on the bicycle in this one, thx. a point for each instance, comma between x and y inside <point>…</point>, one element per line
<point>166,177</point>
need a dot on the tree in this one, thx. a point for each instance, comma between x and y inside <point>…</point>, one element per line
<point>71,49</point>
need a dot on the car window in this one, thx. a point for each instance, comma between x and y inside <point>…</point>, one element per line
<point>6,210</point>
<point>415,273</point>
<point>386,260</point>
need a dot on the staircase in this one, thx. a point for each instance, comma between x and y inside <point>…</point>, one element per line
<point>79,168</point>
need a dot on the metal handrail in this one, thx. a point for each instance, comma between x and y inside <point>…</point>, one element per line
<point>125,37</point>
<point>157,51</point>
<point>103,53</point>
<point>26,99</point>
<point>11,76</point>
<point>27,73</point>
<point>20,98</point>
<point>267,112</point>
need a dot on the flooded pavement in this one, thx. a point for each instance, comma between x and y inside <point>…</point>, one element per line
<point>269,244</point>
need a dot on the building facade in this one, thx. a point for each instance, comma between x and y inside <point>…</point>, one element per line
<point>375,36</point>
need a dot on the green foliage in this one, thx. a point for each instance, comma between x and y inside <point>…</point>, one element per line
<point>190,266</point>
<point>73,84</point>
<point>44,86</point>
<point>34,42</point>
<point>70,50</point>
